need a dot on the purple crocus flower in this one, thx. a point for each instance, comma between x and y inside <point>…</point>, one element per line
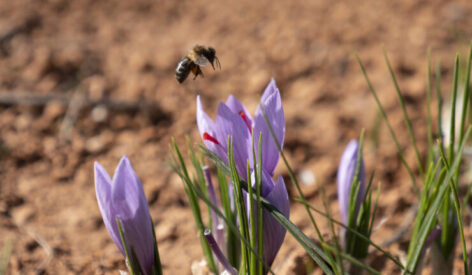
<point>123,198</point>
<point>233,119</point>
<point>346,173</point>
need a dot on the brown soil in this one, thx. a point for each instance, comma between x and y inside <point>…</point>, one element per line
<point>67,54</point>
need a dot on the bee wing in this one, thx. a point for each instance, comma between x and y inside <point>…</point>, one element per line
<point>201,61</point>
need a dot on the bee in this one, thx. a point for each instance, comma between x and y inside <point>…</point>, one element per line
<point>198,56</point>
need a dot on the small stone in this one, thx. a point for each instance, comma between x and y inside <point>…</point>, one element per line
<point>53,110</point>
<point>99,113</point>
<point>307,177</point>
<point>99,143</point>
<point>96,87</point>
<point>200,268</point>
<point>22,214</point>
<point>165,231</point>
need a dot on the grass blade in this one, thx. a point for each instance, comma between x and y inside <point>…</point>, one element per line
<point>430,216</point>
<point>405,115</point>
<point>392,133</point>
<point>429,119</point>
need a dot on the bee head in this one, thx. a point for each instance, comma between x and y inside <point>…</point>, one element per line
<point>211,56</point>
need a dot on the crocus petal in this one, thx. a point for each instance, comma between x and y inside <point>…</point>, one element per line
<point>237,107</point>
<point>103,192</point>
<point>133,212</point>
<point>125,200</point>
<point>207,129</point>
<point>272,105</point>
<point>346,173</point>
<point>204,122</point>
<point>230,124</point>
<point>218,253</point>
<point>273,231</point>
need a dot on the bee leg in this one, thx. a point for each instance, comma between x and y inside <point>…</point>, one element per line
<point>197,72</point>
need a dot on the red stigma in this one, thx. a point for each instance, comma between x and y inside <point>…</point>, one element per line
<point>244,117</point>
<point>207,136</point>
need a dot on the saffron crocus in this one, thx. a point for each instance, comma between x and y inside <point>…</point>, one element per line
<point>346,173</point>
<point>233,119</point>
<point>122,198</point>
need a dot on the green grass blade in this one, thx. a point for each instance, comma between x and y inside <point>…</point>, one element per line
<point>199,171</point>
<point>456,203</point>
<point>231,238</point>
<point>466,96</point>
<point>240,208</point>
<point>253,223</point>
<point>358,234</point>
<point>130,262</point>
<point>157,268</point>
<point>392,133</point>
<point>424,203</point>
<point>337,257</point>
<point>429,119</point>
<point>439,100</point>
<point>194,206</point>
<point>430,216</point>
<point>452,128</point>
<point>352,260</point>
<point>5,256</point>
<point>258,176</point>
<point>405,115</point>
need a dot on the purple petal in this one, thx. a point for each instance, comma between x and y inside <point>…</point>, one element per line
<point>219,253</point>
<point>274,232</point>
<point>238,108</point>
<point>272,105</point>
<point>230,124</point>
<point>207,127</point>
<point>269,90</point>
<point>126,201</point>
<point>103,192</point>
<point>346,173</point>
<point>133,212</point>
<point>204,122</point>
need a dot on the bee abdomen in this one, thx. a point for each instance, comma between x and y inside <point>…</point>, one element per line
<point>183,69</point>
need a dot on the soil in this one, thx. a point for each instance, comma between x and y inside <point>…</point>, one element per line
<point>84,81</point>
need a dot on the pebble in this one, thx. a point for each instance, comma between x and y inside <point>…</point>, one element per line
<point>23,214</point>
<point>307,177</point>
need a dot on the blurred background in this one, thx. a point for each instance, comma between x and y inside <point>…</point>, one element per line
<point>85,80</point>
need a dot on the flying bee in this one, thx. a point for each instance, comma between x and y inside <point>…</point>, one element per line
<point>198,56</point>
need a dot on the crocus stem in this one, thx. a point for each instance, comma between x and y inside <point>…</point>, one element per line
<point>218,253</point>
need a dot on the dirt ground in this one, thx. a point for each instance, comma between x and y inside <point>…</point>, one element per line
<point>84,81</point>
